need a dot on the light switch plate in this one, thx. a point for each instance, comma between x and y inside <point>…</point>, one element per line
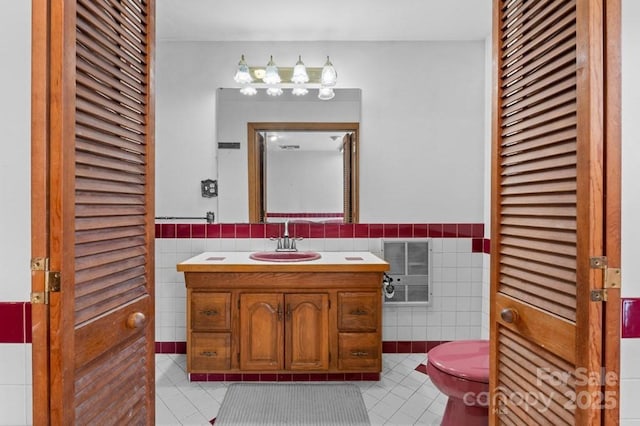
<point>209,188</point>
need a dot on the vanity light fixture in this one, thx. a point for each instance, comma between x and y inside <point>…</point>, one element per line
<point>274,79</point>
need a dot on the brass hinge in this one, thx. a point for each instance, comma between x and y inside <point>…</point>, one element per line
<point>612,278</point>
<point>51,280</point>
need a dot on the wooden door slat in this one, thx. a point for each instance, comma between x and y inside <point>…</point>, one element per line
<point>98,60</point>
<point>88,275</point>
<point>559,149</point>
<point>120,29</point>
<point>89,249</point>
<point>532,120</point>
<point>559,56</point>
<point>558,89</point>
<point>552,246</point>
<point>538,85</point>
<point>524,200</point>
<point>558,273</point>
<point>83,237</point>
<point>101,43</point>
<point>97,285</point>
<point>534,144</point>
<point>118,39</point>
<point>131,99</point>
<point>559,304</point>
<point>100,81</point>
<point>91,185</point>
<point>103,162</point>
<point>83,224</point>
<point>540,187</point>
<point>540,211</point>
<point>541,165</point>
<point>524,12</point>
<point>547,26</point>
<point>108,146</point>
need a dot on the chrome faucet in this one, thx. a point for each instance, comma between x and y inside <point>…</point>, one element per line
<point>285,243</point>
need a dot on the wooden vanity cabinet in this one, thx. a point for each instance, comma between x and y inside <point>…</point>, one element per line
<point>278,322</point>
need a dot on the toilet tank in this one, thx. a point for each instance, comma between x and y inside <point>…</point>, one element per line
<point>410,268</point>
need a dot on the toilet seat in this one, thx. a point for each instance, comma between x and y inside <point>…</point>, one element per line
<point>465,359</point>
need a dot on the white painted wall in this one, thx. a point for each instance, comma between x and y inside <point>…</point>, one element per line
<point>15,247</point>
<point>317,181</point>
<point>421,126</point>
<point>15,113</point>
<point>630,348</point>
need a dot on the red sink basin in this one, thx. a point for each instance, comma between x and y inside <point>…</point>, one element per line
<point>285,256</point>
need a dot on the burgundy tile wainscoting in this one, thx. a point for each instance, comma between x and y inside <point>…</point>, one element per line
<point>325,230</point>
<point>15,318</point>
<point>284,377</point>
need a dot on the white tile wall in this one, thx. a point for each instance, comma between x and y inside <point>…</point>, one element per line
<point>15,384</point>
<point>455,312</point>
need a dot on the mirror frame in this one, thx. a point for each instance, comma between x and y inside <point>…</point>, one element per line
<point>257,189</point>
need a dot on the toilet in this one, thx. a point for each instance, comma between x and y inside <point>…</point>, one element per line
<point>460,370</point>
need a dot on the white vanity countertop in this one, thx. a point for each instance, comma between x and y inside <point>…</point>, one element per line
<point>239,261</point>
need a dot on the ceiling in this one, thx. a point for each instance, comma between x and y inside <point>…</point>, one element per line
<point>326,20</point>
<point>304,141</point>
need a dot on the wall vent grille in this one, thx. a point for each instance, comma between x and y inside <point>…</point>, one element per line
<point>410,268</point>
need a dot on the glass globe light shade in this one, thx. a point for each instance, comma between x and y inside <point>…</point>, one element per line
<point>300,75</point>
<point>243,76</point>
<point>274,91</point>
<point>329,75</point>
<point>326,93</point>
<point>299,91</point>
<point>248,90</point>
<point>271,75</point>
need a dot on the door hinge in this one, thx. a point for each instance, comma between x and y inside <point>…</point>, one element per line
<point>51,280</point>
<point>612,278</point>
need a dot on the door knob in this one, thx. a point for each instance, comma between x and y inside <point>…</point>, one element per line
<point>509,315</point>
<point>136,320</point>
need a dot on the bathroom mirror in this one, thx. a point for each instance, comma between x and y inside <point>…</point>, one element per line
<point>242,184</point>
<point>303,172</point>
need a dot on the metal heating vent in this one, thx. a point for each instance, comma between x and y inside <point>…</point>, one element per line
<point>410,268</point>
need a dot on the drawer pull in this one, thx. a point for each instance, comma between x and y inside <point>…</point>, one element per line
<point>359,353</point>
<point>358,312</point>
<point>209,312</point>
<point>208,353</point>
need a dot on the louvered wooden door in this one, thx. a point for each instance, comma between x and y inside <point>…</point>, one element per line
<point>93,211</point>
<point>548,213</point>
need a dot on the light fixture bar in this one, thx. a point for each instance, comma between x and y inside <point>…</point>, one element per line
<point>257,73</point>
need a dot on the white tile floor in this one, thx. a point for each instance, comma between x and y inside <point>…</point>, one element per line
<point>403,396</point>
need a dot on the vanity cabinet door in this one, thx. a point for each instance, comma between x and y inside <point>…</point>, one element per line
<point>261,331</point>
<point>307,331</point>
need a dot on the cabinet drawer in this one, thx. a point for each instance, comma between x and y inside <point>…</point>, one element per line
<point>358,351</point>
<point>358,311</point>
<point>210,311</point>
<point>210,351</point>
